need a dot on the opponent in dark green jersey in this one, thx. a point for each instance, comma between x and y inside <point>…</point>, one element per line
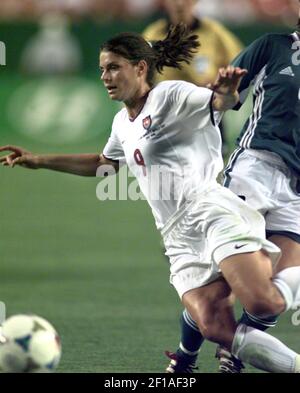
<point>273,64</point>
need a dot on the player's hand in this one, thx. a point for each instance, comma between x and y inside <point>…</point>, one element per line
<point>228,80</point>
<point>18,156</point>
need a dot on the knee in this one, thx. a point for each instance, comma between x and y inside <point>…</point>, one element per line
<point>206,323</point>
<point>210,329</point>
<point>265,304</point>
<point>215,324</point>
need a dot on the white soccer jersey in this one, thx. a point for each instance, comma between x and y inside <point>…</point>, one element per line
<point>172,147</point>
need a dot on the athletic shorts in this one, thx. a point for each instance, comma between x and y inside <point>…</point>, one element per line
<point>214,226</point>
<point>268,185</point>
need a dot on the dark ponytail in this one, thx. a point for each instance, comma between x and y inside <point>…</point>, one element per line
<point>178,46</point>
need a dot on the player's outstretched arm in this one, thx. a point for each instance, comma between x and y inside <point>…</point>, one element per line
<point>226,87</point>
<point>76,164</point>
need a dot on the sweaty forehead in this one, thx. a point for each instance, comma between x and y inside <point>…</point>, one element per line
<point>106,58</point>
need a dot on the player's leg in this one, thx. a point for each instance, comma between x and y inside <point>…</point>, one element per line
<point>244,169</point>
<point>250,278</point>
<point>189,348</point>
<point>283,226</point>
<point>258,179</point>
<point>210,307</point>
<point>262,293</point>
<point>191,338</point>
<point>229,228</point>
<point>185,358</point>
<point>290,249</point>
<point>289,244</point>
<point>216,322</point>
<point>247,176</point>
<point>237,175</point>
<point>213,306</point>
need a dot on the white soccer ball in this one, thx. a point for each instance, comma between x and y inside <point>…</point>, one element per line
<point>28,343</point>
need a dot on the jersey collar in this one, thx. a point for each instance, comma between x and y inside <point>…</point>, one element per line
<point>145,97</point>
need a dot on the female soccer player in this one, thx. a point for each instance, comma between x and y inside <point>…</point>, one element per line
<point>215,242</point>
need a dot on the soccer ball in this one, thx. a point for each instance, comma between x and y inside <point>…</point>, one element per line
<point>28,343</point>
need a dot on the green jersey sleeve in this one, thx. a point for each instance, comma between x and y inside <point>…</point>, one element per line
<point>253,59</point>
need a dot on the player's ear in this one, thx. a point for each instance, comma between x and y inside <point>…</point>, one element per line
<point>142,67</point>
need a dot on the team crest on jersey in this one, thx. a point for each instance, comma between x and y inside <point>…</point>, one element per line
<point>147,122</point>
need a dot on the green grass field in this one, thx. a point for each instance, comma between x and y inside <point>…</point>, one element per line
<point>94,269</point>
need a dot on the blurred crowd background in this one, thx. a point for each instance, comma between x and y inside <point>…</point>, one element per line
<point>46,40</point>
<point>235,11</point>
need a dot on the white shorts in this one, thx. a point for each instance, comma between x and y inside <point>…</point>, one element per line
<point>213,227</point>
<point>269,186</point>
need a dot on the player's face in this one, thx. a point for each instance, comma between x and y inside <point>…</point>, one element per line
<point>119,76</point>
<point>180,10</point>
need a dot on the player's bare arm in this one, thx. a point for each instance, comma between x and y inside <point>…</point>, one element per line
<point>225,87</point>
<point>76,164</point>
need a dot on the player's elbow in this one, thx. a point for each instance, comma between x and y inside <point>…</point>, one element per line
<point>102,167</point>
<point>107,169</point>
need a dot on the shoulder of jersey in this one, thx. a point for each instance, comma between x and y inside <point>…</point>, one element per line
<point>274,36</point>
<point>169,86</point>
<point>271,39</point>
